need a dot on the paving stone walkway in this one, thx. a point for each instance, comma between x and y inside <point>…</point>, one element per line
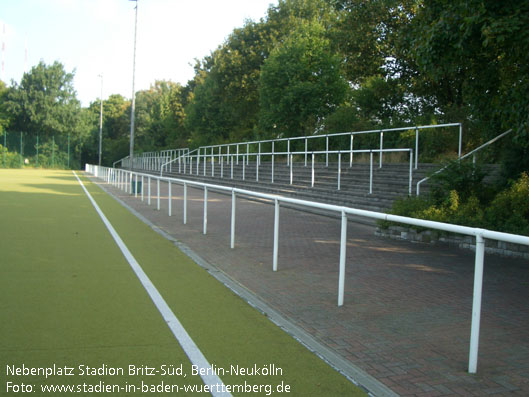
<point>406,317</point>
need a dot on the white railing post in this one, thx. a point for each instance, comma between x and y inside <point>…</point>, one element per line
<point>312,176</point>
<point>272,163</point>
<point>370,172</point>
<point>343,253</point>
<point>158,194</point>
<point>416,147</point>
<point>205,210</point>
<point>231,164</point>
<point>339,169</point>
<point>247,154</point>
<point>476,304</point>
<point>233,201</point>
<point>411,172</point>
<point>291,158</point>
<point>244,168</point>
<point>185,203</point>
<point>327,151</point>
<point>381,147</point>
<point>149,198</point>
<point>276,234</point>
<point>351,152</point>
<point>288,152</point>
<point>170,202</point>
<point>135,185</point>
<point>306,150</point>
<point>142,187</point>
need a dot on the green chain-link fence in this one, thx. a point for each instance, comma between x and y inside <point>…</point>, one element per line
<point>19,150</point>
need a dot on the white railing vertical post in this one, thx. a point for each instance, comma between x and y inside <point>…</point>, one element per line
<point>158,194</point>
<point>327,151</point>
<point>149,196</point>
<point>170,202</point>
<point>222,167</point>
<point>291,171</point>
<point>259,154</point>
<point>460,140</point>
<point>135,185</point>
<point>416,147</point>
<point>142,187</point>
<point>273,164</point>
<point>276,235</point>
<point>381,147</point>
<point>212,164</point>
<point>244,168</point>
<point>237,160</point>
<point>411,172</point>
<point>231,164</point>
<point>476,304</point>
<point>351,152</point>
<point>312,176</point>
<point>306,150</point>
<point>185,203</point>
<point>370,172</point>
<point>233,201</point>
<point>247,154</point>
<point>343,253</point>
<point>339,169</point>
<point>288,152</point>
<point>257,163</point>
<point>205,210</point>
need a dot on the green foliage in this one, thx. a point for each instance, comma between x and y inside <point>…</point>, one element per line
<point>509,211</point>
<point>300,83</point>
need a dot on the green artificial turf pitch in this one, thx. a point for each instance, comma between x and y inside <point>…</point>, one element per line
<point>69,298</point>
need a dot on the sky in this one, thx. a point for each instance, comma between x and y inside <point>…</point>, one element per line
<point>96,37</point>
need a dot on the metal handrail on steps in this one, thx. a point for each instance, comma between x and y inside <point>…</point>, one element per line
<point>473,152</point>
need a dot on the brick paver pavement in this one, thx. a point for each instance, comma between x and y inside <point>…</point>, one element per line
<point>406,317</point>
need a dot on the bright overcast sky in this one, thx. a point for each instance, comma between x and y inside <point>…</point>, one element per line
<point>97,36</point>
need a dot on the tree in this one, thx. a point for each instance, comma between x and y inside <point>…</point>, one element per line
<point>301,83</point>
<point>44,103</point>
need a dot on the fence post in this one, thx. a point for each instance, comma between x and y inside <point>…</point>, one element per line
<point>273,163</point>
<point>476,304</point>
<point>149,198</point>
<point>288,151</point>
<point>158,194</point>
<point>312,179</point>
<point>327,151</point>
<point>205,209</point>
<point>135,185</point>
<point>343,252</point>
<point>244,168</point>
<point>233,201</point>
<point>170,202</point>
<point>276,234</point>
<point>411,172</point>
<point>142,187</point>
<point>231,165</point>
<point>370,172</point>
<point>339,168</point>
<point>381,147</point>
<point>291,173</point>
<point>416,147</point>
<point>351,153</point>
<point>185,203</point>
<point>306,150</point>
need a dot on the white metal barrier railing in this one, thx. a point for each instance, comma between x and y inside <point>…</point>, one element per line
<point>258,144</point>
<point>123,178</point>
<point>191,164</point>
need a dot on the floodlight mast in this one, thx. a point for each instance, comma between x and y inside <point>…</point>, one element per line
<point>133,105</point>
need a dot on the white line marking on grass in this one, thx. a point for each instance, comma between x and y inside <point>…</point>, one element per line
<point>217,387</point>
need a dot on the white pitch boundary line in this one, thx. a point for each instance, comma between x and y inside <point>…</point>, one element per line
<point>188,345</point>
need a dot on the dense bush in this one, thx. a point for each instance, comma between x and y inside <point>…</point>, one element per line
<point>464,201</point>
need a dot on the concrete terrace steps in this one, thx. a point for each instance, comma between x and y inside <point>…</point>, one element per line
<point>389,182</point>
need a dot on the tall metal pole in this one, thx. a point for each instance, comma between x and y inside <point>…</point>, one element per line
<point>131,154</point>
<point>101,121</point>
